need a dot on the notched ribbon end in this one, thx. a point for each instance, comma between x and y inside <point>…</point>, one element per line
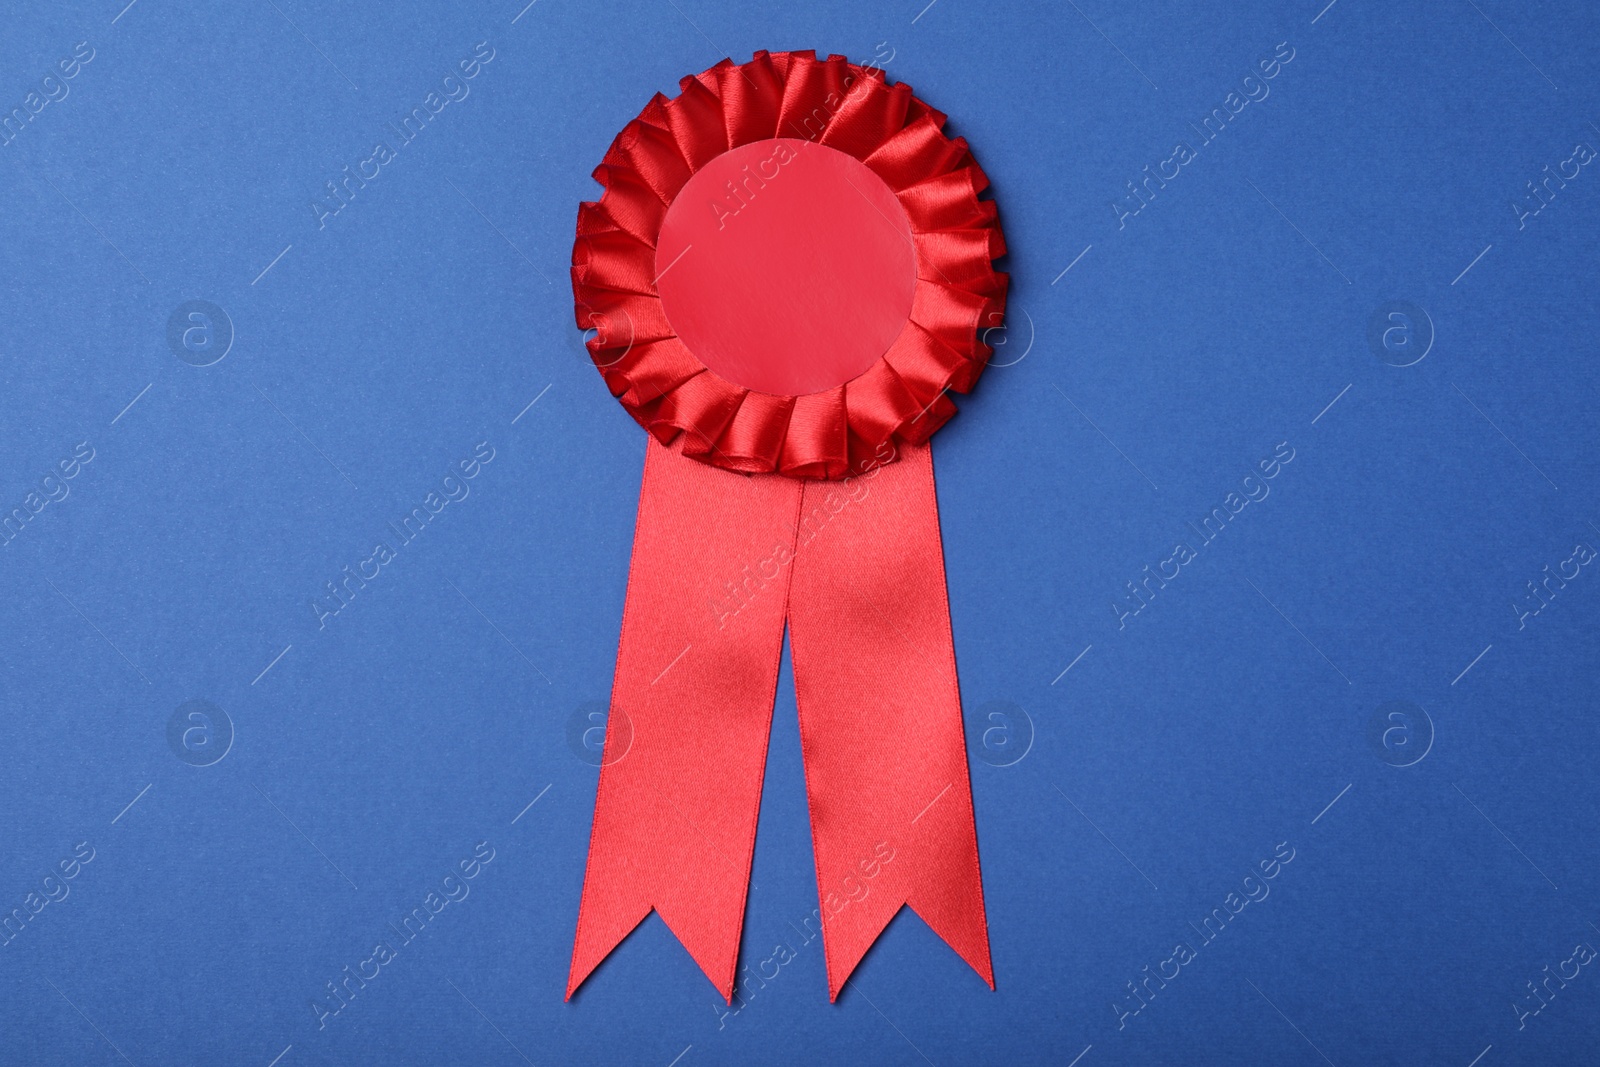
<point>592,950</point>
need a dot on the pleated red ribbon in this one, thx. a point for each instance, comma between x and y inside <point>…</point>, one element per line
<point>833,529</point>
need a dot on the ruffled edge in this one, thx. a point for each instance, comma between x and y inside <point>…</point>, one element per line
<point>904,396</point>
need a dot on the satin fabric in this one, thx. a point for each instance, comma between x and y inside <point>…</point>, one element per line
<point>833,530</point>
<point>856,568</point>
<point>904,396</point>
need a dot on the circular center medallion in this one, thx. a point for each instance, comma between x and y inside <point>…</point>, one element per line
<point>786,267</point>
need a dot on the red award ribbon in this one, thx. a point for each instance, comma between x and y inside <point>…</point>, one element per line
<point>788,272</point>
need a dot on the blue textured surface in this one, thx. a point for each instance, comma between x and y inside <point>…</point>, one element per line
<point>375,348</point>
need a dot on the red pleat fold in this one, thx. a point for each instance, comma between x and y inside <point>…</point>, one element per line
<point>630,205</point>
<point>751,94</point>
<point>816,445</point>
<point>751,441</point>
<point>869,114</point>
<point>695,119</point>
<point>949,201</point>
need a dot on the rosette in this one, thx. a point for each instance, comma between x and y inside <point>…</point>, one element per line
<point>789,272</point>
<point>743,122</point>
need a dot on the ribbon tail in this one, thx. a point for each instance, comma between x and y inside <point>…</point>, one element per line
<point>691,708</point>
<point>880,716</point>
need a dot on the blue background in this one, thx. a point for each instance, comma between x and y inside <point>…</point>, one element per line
<point>1185,744</point>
